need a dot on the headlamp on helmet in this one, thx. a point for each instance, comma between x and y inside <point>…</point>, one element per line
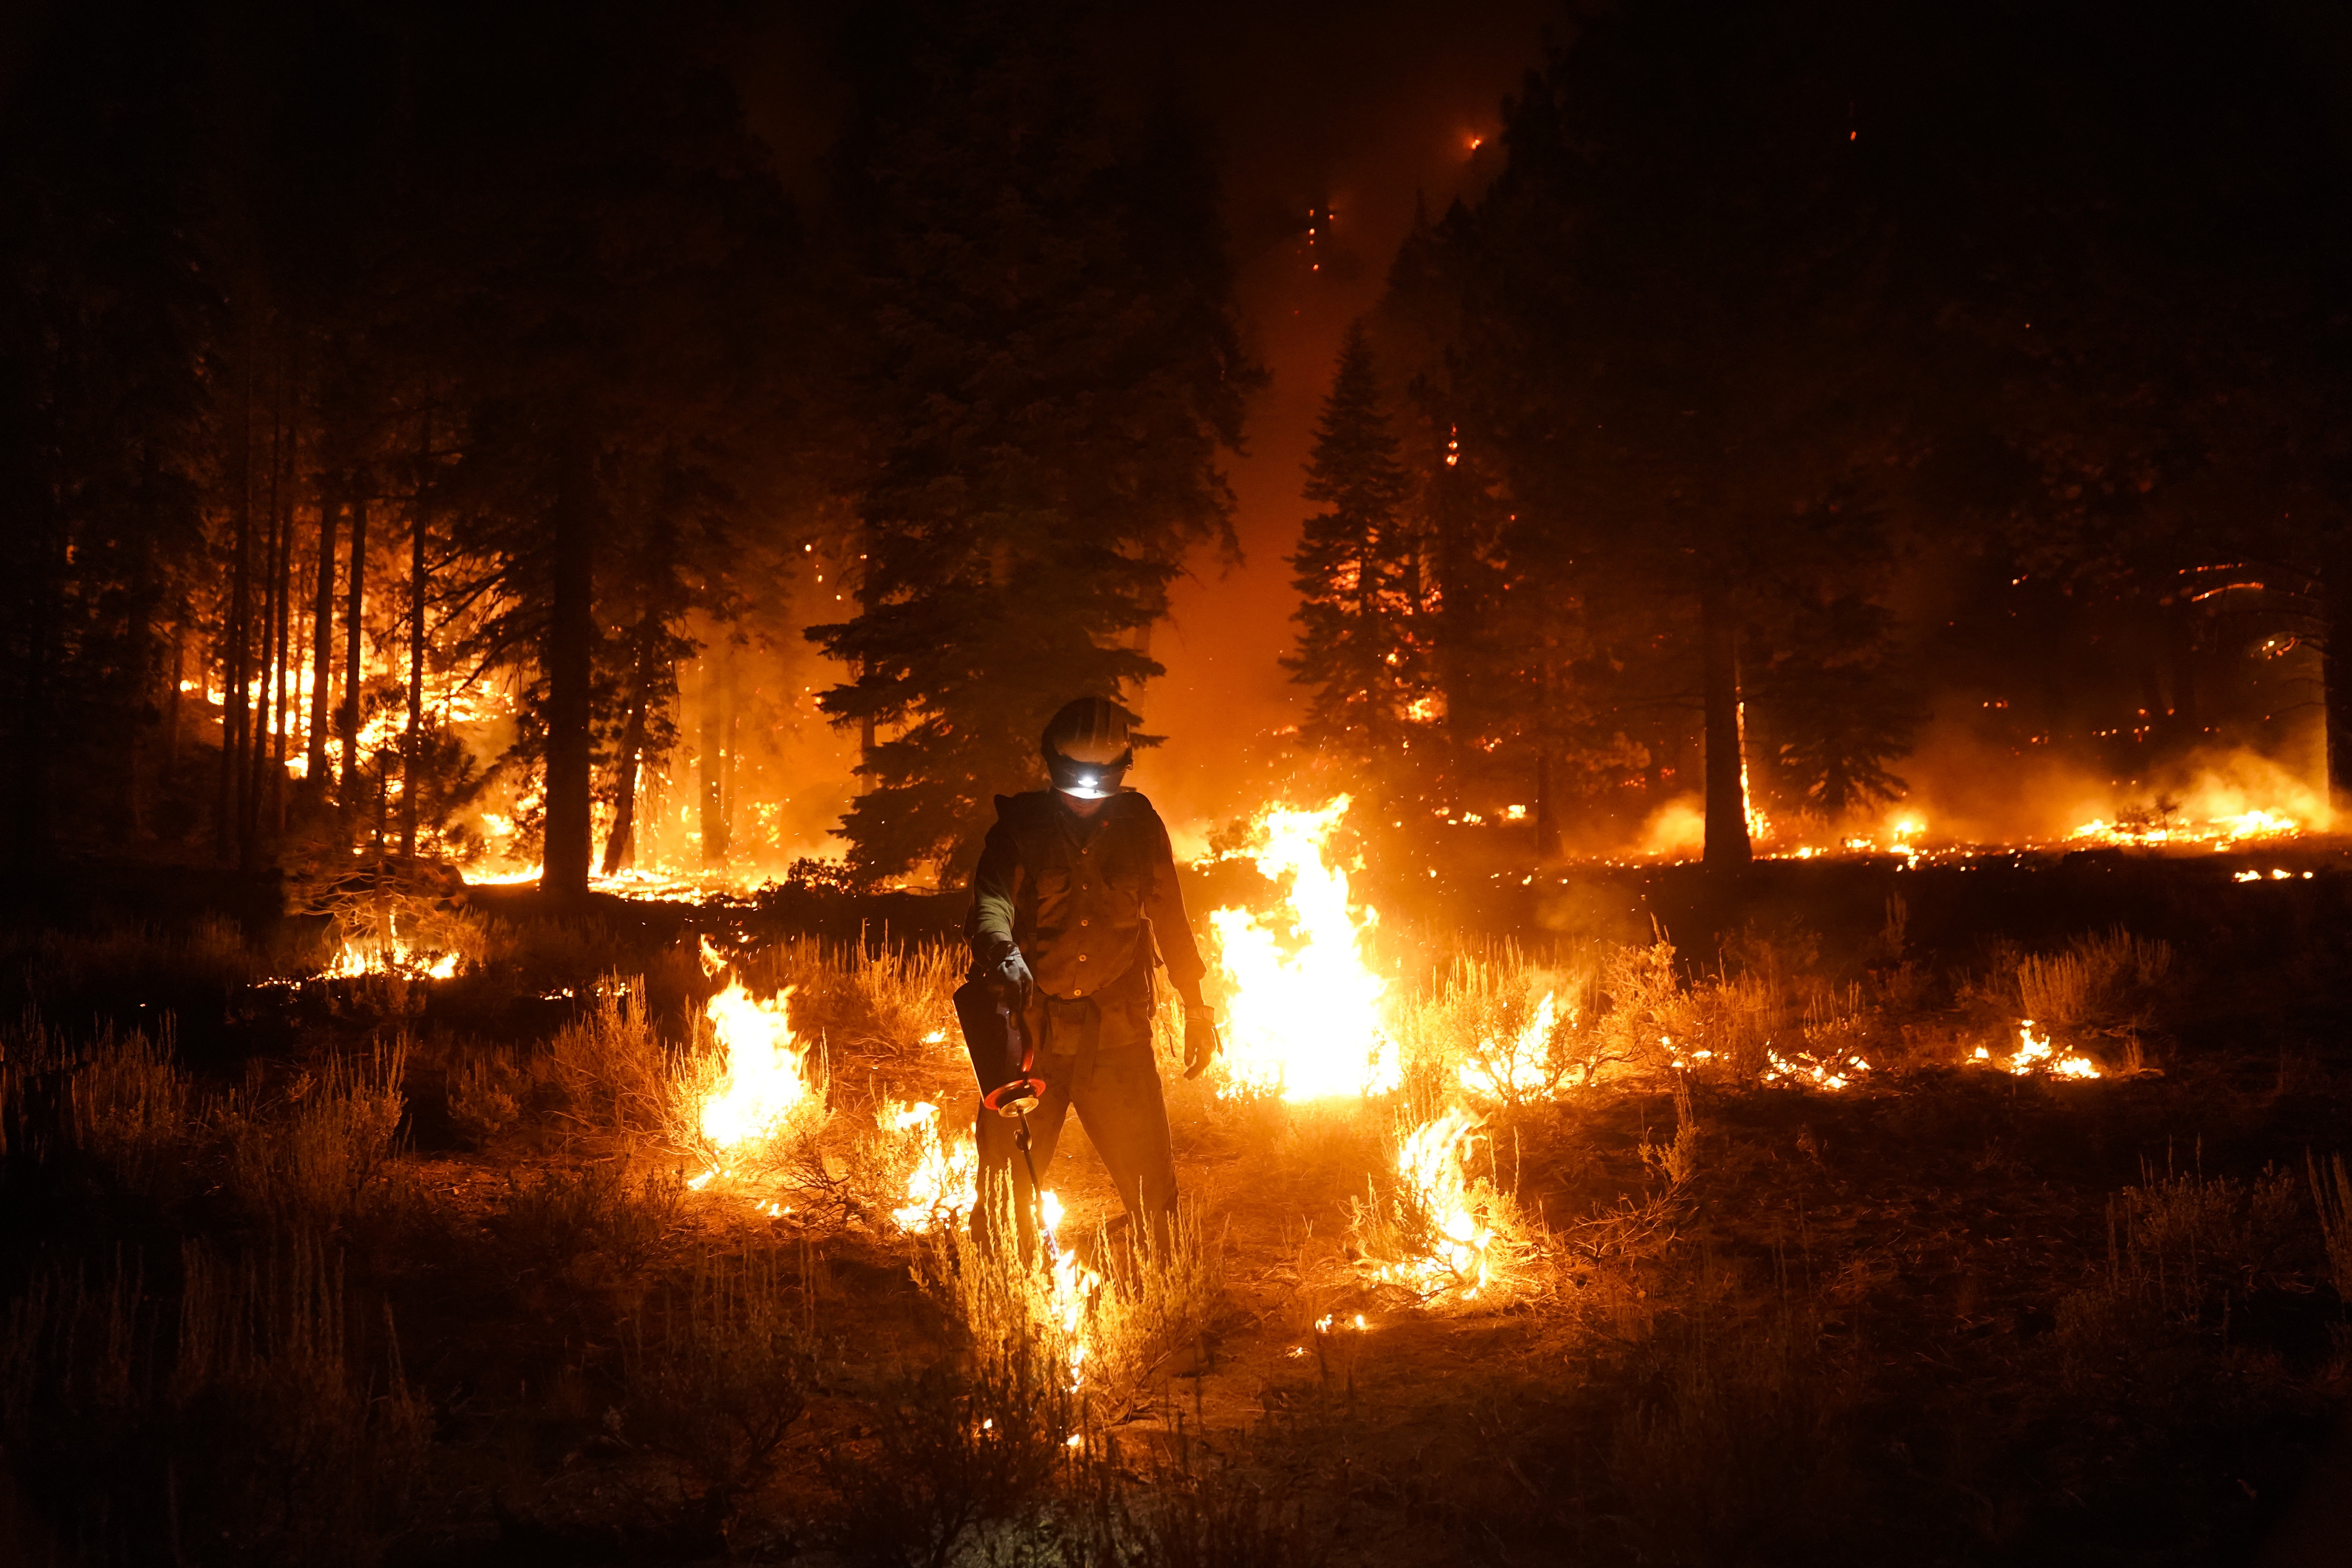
<point>1087,748</point>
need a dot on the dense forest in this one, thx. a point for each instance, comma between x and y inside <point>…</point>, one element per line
<point>408,411</point>
<point>1800,370</point>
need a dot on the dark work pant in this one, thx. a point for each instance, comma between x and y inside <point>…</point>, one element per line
<point>1116,1092</point>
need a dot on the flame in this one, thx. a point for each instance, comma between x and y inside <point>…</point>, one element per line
<point>1304,1015</point>
<point>1830,1073</point>
<point>1452,1256</point>
<point>388,954</point>
<point>765,1079</point>
<point>2036,1055</point>
<point>1071,1286</point>
<point>1523,1071</point>
<point>944,1185</point>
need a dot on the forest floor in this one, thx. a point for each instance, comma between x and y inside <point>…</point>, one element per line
<point>270,1307</point>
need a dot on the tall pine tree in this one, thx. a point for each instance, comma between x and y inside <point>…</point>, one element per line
<point>1361,648</point>
<point>1053,369</point>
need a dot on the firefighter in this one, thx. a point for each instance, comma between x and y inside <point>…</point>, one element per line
<point>1073,904</point>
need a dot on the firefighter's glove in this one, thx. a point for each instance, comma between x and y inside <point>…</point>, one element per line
<point>1012,975</point>
<point>1201,1042</point>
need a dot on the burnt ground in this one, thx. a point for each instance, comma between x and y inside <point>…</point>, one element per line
<point>1945,1316</point>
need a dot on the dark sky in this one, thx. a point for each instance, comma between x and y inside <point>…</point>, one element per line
<point>1356,109</point>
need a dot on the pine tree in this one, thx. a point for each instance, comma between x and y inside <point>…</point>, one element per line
<point>1052,370</point>
<point>1361,644</point>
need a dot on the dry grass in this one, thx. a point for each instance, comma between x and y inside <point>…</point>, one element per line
<point>306,1153</point>
<point>2331,1194</point>
<point>2108,984</point>
<point>589,1225</point>
<point>1503,1029</point>
<point>612,1067</point>
<point>251,1421</point>
<point>908,995</point>
<point>720,1373</point>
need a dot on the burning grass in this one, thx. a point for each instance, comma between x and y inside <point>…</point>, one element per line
<point>1641,1258</point>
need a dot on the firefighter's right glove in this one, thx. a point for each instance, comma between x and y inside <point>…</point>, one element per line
<point>1012,975</point>
<point>1202,1042</point>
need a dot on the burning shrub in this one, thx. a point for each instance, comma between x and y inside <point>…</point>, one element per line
<point>927,1180</point>
<point>1104,1322</point>
<point>1650,1021</point>
<point>1503,1030</point>
<point>1446,1237</point>
<point>748,1094</point>
<point>1303,1004</point>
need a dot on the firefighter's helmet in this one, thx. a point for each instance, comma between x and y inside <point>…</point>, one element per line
<point>1087,748</point>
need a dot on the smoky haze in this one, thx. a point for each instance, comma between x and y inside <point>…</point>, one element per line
<point>1353,113</point>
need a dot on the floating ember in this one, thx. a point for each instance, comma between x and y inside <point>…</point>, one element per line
<point>2036,1055</point>
<point>1303,1004</point>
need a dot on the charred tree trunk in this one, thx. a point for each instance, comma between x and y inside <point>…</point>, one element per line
<point>250,821</point>
<point>1547,815</point>
<point>412,743</point>
<point>234,691</point>
<point>570,674</point>
<point>322,654</point>
<point>348,719</point>
<point>171,699</point>
<point>1728,848</point>
<point>619,847</point>
<point>286,692</point>
<point>2336,667</point>
<point>144,709</point>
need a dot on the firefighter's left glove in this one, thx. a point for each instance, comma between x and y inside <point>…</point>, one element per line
<point>1202,1042</point>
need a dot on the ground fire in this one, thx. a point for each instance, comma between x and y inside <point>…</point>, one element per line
<point>779,784</point>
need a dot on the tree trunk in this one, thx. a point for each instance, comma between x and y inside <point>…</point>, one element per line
<point>1547,817</point>
<point>412,744</point>
<point>619,847</point>
<point>716,728</point>
<point>286,659</point>
<point>1728,848</point>
<point>322,652</point>
<point>355,608</point>
<point>171,699</point>
<point>144,710</point>
<point>570,674</point>
<point>235,693</point>
<point>2335,667</point>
